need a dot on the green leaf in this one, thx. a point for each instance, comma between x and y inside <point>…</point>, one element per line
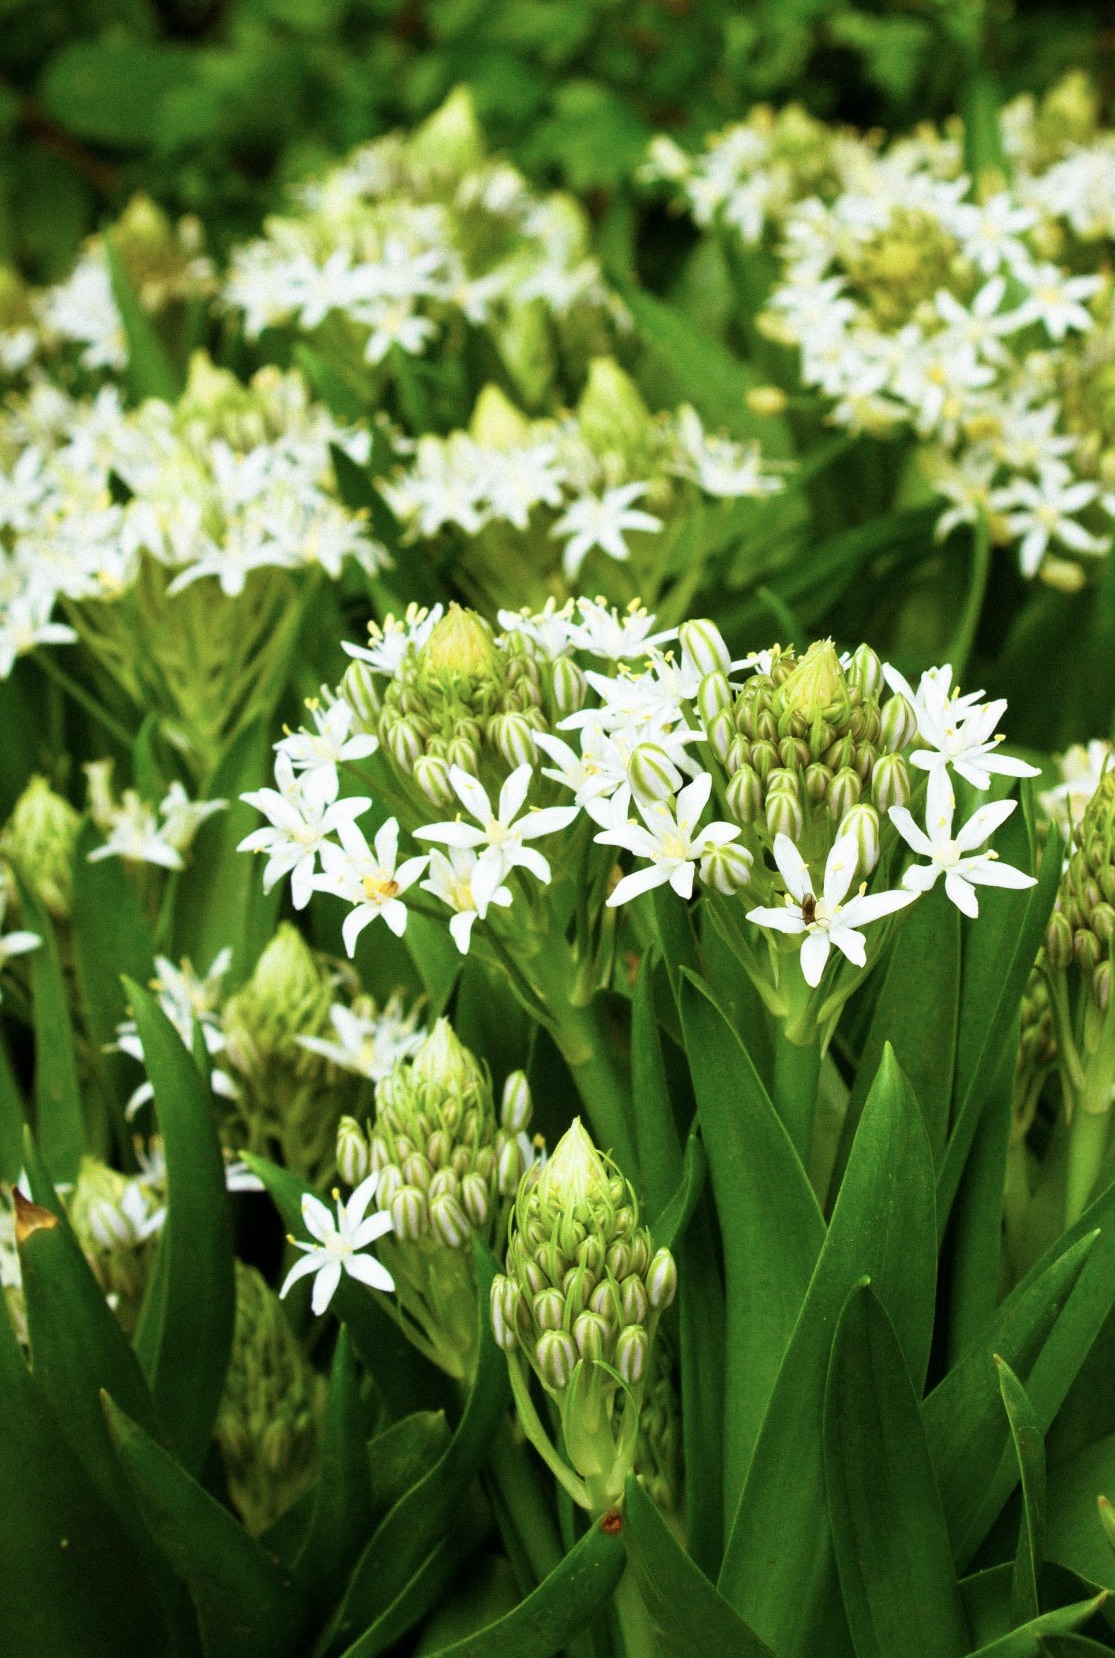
<point>1075,1534</point>
<point>150,372</point>
<point>701,1328</point>
<point>406,1535</point>
<point>110,937</point>
<point>692,1619</point>
<point>778,1570</point>
<point>185,1332</point>
<point>112,91</point>
<point>59,1119</point>
<point>675,1217</point>
<point>13,1120</point>
<point>557,1610</point>
<point>343,1502</point>
<point>1027,1642</point>
<point>965,1425</point>
<point>769,1220</point>
<point>889,1534</point>
<point>656,1134</point>
<point>220,899</point>
<point>248,1605</point>
<point>1026,1435</point>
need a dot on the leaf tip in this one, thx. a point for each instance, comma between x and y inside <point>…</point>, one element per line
<point>30,1217</point>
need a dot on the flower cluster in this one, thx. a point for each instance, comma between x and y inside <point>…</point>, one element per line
<point>973,315</point>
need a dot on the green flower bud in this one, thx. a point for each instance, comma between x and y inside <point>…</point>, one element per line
<point>548,1308</point>
<point>288,995</point>
<point>450,142</point>
<point>794,753</point>
<point>556,1358</point>
<point>862,823</point>
<point>652,774</point>
<point>448,1221</point>
<point>744,795</point>
<point>360,688</point>
<point>632,1351</point>
<point>784,815</point>
<point>568,686</point>
<point>509,1168</point>
<point>662,1280</point>
<point>513,738</point>
<point>714,696</point>
<point>496,423</point>
<point>459,648</point>
<point>726,869</point>
<point>432,777</point>
<point>410,1216</point>
<point>702,642</point>
<point>516,1105</point>
<point>591,1333</point>
<point>476,1201</point>
<point>723,740</point>
<point>633,1299</point>
<point>39,839</point>
<point>1087,950</point>
<point>504,1306</point>
<point>898,725</point>
<point>843,793</point>
<point>1103,921</point>
<point>402,739</point>
<point>890,782</point>
<point>865,671</point>
<point>353,1159</point>
<point>764,758</point>
<point>816,687</point>
<point>463,752</point>
<point>1058,939</point>
<point>611,413</point>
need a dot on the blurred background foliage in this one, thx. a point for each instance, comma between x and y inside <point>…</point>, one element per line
<point>211,106</point>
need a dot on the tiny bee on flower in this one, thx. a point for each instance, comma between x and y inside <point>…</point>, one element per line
<point>808,908</point>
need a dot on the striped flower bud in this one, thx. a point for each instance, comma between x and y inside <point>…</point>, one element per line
<point>591,1333</point>
<point>764,758</point>
<point>403,741</point>
<point>556,1358</point>
<point>843,793</point>
<point>722,735</point>
<point>431,774</point>
<point>515,1104</point>
<point>514,739</point>
<point>361,690</point>
<point>714,696</point>
<point>632,1350</point>
<point>784,815</point>
<point>898,725</point>
<point>568,685</point>
<point>409,1214</point>
<point>652,774</point>
<point>476,1201</point>
<point>353,1161</point>
<point>662,1280</point>
<point>703,644</point>
<point>448,1221</point>
<point>1058,939</point>
<point>744,795</point>
<point>504,1306</point>
<point>865,671</point>
<point>463,752</point>
<point>817,779</point>
<point>726,869</point>
<point>509,1167</point>
<point>890,782</point>
<point>862,823</point>
<point>633,1299</point>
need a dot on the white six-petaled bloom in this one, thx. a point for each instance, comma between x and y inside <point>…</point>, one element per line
<point>451,879</point>
<point>601,521</point>
<point>956,858</point>
<point>338,1243</point>
<point>671,840</point>
<point>501,833</point>
<point>302,811</point>
<point>958,731</point>
<point>825,919</point>
<point>369,877</point>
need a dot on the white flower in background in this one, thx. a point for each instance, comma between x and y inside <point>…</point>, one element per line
<point>1081,769</point>
<point>368,877</point>
<point>83,309</point>
<point>19,941</point>
<point>604,631</point>
<point>720,467</point>
<point>329,744</point>
<point>190,1003</point>
<point>303,812</point>
<point>1057,301</point>
<point>338,1242</point>
<point>956,858</point>
<point>137,836</point>
<point>134,1216</point>
<point>25,622</point>
<point>602,521</point>
<point>1042,512</point>
<point>671,839</point>
<point>550,628</point>
<point>183,817</point>
<point>502,833</point>
<point>389,644</point>
<point>451,879</point>
<point>829,918</point>
<point>958,730</point>
<point>369,1041</point>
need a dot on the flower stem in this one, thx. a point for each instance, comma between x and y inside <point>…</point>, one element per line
<point>523,1504</point>
<point>635,1626</point>
<point>1087,1145</point>
<point>797,1070</point>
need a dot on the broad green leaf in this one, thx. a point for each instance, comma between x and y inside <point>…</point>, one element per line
<point>778,1567</point>
<point>59,1118</point>
<point>769,1221</point>
<point>975,1239</point>
<point>967,1431</point>
<point>557,1610</point>
<point>692,1619</point>
<point>888,1531</point>
<point>701,1339</point>
<point>248,1605</point>
<point>110,937</point>
<point>656,1133</point>
<point>13,1120</point>
<point>70,1579</point>
<point>403,1454</point>
<point>405,1536</point>
<point>150,372</point>
<point>185,1332</point>
<point>220,899</point>
<point>488,1593</point>
<point>1027,1641</point>
<point>1025,1432</point>
<point>1075,1535</point>
<point>675,1217</point>
<point>343,1501</point>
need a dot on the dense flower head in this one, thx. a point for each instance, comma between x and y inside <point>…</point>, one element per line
<point>1082,926</point>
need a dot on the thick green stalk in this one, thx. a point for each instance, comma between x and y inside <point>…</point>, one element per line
<point>523,1503</point>
<point>635,1626</point>
<point>797,1069</point>
<point>1087,1146</point>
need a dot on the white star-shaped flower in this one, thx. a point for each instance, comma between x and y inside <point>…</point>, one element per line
<point>369,877</point>
<point>825,920</point>
<point>601,521</point>
<point>501,833</point>
<point>338,1243</point>
<point>671,840</point>
<point>956,858</point>
<point>302,812</point>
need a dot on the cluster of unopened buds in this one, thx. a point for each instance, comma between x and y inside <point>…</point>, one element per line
<point>790,781</point>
